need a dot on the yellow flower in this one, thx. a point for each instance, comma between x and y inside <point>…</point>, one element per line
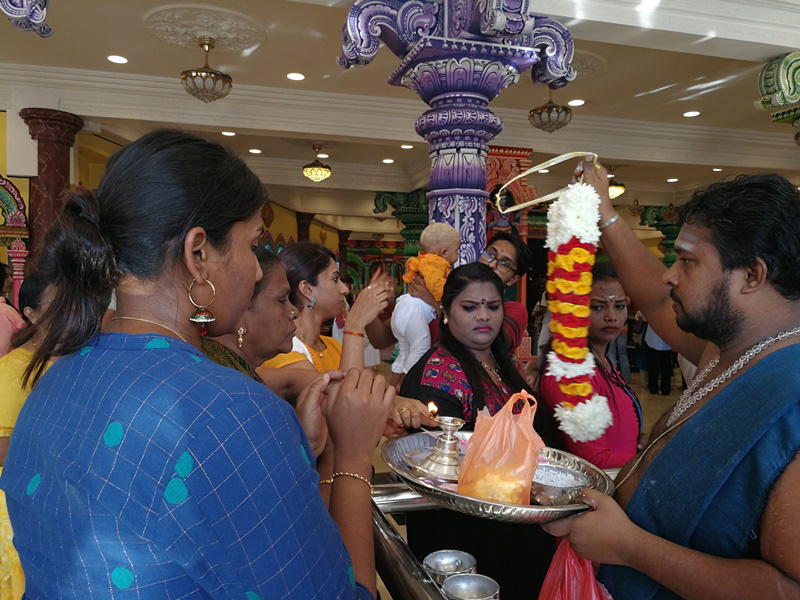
<point>576,389</point>
<point>562,349</point>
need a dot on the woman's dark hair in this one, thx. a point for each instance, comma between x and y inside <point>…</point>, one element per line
<point>153,192</point>
<point>751,217</point>
<point>304,261</point>
<point>524,255</point>
<point>603,271</point>
<point>30,296</point>
<point>476,375</point>
<point>267,261</point>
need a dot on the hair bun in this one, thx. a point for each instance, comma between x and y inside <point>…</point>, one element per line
<point>83,205</point>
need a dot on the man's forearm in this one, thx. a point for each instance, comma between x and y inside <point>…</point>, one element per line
<point>697,576</point>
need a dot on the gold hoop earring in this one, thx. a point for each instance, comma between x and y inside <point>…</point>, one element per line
<point>240,341</point>
<point>202,315</point>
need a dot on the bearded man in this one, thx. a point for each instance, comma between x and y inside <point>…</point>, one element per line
<point>710,508</point>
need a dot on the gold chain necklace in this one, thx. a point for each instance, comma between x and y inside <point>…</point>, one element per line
<point>152,323</point>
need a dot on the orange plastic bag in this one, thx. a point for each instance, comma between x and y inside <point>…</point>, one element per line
<point>571,577</point>
<point>502,454</point>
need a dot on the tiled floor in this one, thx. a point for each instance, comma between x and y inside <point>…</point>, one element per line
<point>653,406</point>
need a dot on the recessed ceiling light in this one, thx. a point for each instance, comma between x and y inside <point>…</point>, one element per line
<point>609,175</point>
<point>576,102</point>
<point>388,161</point>
<point>544,171</point>
<point>255,151</point>
<point>296,76</point>
<point>691,113</point>
<point>716,170</point>
<point>406,146</point>
<point>229,133</point>
<point>322,155</point>
<point>120,60</point>
<point>672,180</point>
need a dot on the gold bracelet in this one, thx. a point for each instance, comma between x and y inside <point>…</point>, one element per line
<point>328,481</point>
<point>355,476</point>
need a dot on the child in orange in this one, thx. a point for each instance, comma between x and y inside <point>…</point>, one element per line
<point>440,244</point>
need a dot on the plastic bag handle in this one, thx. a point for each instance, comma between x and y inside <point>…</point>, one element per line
<point>544,165</point>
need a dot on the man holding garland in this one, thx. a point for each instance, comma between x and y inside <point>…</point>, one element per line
<point>710,508</point>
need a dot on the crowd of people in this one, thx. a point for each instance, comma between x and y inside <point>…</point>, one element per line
<point>206,440</point>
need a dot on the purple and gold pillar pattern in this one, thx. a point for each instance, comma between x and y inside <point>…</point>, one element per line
<point>457,55</point>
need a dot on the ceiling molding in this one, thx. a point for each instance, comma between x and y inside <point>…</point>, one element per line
<point>710,28</point>
<point>162,100</point>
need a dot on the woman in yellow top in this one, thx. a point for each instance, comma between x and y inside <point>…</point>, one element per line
<point>316,287</point>
<point>12,368</point>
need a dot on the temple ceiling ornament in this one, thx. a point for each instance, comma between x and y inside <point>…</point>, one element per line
<point>457,55</point>
<point>779,86</point>
<point>28,15</point>
<point>182,24</point>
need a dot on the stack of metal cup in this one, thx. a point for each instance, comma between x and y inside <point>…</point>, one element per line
<point>455,572</point>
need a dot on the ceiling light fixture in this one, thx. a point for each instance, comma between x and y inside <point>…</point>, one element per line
<point>322,155</point>
<point>406,146</point>
<point>544,171</point>
<point>388,161</point>
<point>255,151</point>
<point>672,180</point>
<point>550,116</point>
<point>205,83</point>
<point>317,171</point>
<point>229,133</point>
<point>295,76</point>
<point>120,60</point>
<point>576,102</point>
<point>691,113</point>
<point>717,170</point>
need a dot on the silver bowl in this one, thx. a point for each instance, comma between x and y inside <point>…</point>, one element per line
<point>445,563</point>
<point>397,453</point>
<point>557,486</point>
<point>470,587</point>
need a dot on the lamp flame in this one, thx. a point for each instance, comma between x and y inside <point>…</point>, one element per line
<point>432,409</point>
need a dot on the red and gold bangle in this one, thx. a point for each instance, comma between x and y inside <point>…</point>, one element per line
<point>355,333</point>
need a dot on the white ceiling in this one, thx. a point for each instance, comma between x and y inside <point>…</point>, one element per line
<point>646,63</point>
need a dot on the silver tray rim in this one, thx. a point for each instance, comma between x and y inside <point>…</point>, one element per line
<point>510,513</point>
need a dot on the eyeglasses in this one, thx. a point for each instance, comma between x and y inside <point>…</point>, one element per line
<point>502,265</point>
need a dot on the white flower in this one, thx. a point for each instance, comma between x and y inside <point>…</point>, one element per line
<point>574,214</point>
<point>561,369</point>
<point>587,421</point>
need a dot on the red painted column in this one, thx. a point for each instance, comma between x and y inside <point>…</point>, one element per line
<point>54,130</point>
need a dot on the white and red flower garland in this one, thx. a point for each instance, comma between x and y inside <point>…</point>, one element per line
<point>572,238</point>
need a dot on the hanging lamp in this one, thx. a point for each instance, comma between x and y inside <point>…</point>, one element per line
<point>317,171</point>
<point>205,83</point>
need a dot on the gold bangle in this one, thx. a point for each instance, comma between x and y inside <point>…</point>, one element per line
<point>354,475</point>
<point>328,481</point>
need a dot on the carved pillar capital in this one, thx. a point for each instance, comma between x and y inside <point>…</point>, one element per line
<point>304,225</point>
<point>51,125</point>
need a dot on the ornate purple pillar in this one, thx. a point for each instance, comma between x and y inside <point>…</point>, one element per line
<point>457,55</point>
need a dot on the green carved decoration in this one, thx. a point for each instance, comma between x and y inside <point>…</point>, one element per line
<point>779,82</point>
<point>411,208</point>
<point>664,219</point>
<point>779,86</point>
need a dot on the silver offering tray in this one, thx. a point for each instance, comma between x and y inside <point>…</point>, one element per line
<point>398,454</point>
